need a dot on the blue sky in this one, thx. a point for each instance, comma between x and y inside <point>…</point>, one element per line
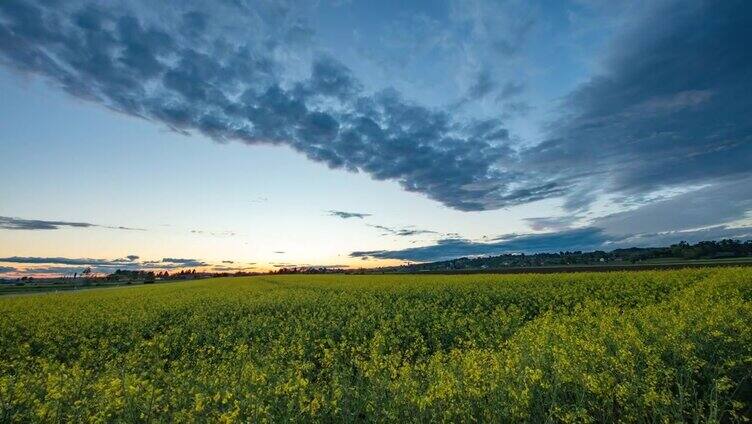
<point>255,134</point>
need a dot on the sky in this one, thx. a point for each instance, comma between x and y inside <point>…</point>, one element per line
<point>252,135</point>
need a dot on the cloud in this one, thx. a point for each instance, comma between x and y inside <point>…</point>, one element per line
<point>55,270</point>
<point>510,89</point>
<point>63,261</point>
<point>214,233</point>
<point>404,232</point>
<point>710,213</point>
<point>515,109</point>
<point>182,68</point>
<point>482,86</point>
<point>7,269</point>
<point>720,203</point>
<point>666,110</point>
<point>554,223</point>
<point>588,238</point>
<point>347,215</point>
<point>667,238</point>
<point>10,223</point>
<point>62,265</point>
<point>580,239</point>
<point>228,262</point>
<point>184,262</point>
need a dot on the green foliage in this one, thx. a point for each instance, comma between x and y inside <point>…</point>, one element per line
<point>668,346</point>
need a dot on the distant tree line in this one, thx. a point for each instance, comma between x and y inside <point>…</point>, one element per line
<point>151,276</point>
<point>310,270</point>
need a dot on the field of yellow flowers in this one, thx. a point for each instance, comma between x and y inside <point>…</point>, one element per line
<point>668,346</point>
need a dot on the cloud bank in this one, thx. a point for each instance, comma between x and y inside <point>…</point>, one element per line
<point>216,71</point>
<point>667,109</point>
<point>690,217</point>
<point>580,239</point>
<point>62,265</point>
<point>588,238</point>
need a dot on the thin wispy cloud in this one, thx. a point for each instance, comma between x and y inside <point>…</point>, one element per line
<point>184,262</point>
<point>65,261</point>
<point>347,215</point>
<point>214,233</point>
<point>403,232</point>
<point>129,261</point>
<point>11,223</point>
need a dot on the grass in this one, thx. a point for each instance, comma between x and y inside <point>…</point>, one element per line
<point>633,346</point>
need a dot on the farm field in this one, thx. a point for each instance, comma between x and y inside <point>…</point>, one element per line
<point>630,346</point>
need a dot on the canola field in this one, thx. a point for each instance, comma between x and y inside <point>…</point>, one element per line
<point>648,346</point>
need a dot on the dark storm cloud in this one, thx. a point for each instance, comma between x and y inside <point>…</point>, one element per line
<point>10,223</point>
<point>347,215</point>
<point>669,110</point>
<point>195,75</point>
